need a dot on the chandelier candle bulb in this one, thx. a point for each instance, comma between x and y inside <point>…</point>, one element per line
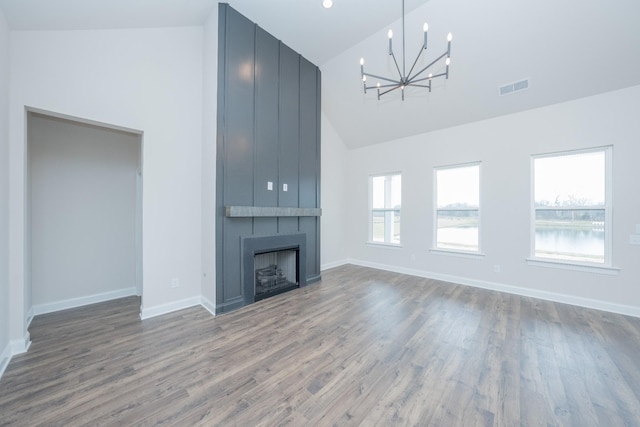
<point>390,34</point>
<point>449,38</point>
<point>425,28</point>
<point>362,67</point>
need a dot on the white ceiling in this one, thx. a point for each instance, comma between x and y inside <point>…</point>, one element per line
<point>317,33</point>
<point>568,49</point>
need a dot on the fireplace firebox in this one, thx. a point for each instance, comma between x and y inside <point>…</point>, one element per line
<point>272,265</point>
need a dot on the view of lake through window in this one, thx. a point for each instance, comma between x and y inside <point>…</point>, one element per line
<point>570,206</point>
<point>458,208</point>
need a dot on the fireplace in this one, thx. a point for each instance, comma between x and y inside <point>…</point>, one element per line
<point>272,265</point>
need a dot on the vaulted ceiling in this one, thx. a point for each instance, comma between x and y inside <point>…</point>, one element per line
<point>567,49</point>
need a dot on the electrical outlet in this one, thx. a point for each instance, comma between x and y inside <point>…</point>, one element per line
<point>634,239</point>
<point>175,282</point>
<point>269,185</point>
<point>285,187</point>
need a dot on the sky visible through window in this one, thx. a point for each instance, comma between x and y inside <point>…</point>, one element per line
<point>454,187</point>
<point>378,190</point>
<point>572,179</point>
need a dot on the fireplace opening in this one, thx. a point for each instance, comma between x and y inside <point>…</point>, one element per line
<point>275,272</point>
<point>272,264</point>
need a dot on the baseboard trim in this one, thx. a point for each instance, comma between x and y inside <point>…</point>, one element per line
<point>510,289</point>
<point>333,264</point>
<point>78,302</point>
<point>21,345</point>
<point>5,358</point>
<point>229,306</point>
<point>158,310</point>
<point>13,348</point>
<point>208,305</point>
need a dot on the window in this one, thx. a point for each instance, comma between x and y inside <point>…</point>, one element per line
<point>385,200</point>
<point>458,208</point>
<point>571,207</point>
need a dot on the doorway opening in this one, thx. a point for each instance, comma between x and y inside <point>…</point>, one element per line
<point>84,212</point>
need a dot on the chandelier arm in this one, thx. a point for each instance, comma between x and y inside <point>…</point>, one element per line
<point>435,76</point>
<point>416,61</point>
<point>382,78</point>
<point>412,82</point>
<point>390,90</point>
<point>383,86</point>
<point>428,66</point>
<point>397,68</point>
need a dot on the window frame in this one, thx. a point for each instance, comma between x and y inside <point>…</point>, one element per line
<point>606,266</point>
<point>436,210</point>
<point>388,230</point>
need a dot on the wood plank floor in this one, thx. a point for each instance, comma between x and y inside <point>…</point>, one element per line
<point>363,347</point>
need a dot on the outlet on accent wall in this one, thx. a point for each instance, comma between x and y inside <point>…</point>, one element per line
<point>175,282</point>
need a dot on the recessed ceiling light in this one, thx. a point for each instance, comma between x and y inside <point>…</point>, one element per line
<point>327,4</point>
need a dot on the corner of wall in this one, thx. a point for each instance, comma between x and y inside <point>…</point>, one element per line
<point>5,315</point>
<point>13,348</point>
<point>209,132</point>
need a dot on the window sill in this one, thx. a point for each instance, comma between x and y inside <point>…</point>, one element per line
<point>386,245</point>
<point>537,262</point>
<point>461,254</point>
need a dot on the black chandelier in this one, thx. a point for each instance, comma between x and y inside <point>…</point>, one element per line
<point>405,79</point>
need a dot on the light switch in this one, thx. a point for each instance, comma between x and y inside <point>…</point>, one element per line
<point>269,185</point>
<point>634,239</point>
<point>285,187</point>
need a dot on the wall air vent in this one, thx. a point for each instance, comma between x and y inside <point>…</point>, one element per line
<point>513,87</point>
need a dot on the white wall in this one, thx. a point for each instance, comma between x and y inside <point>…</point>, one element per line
<point>209,122</point>
<point>334,186</point>
<point>504,146</point>
<point>4,194</point>
<point>82,182</point>
<point>142,79</point>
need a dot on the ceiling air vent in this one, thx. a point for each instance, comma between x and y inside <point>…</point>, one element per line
<point>513,87</point>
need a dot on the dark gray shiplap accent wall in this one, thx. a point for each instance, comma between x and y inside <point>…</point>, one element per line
<point>268,130</point>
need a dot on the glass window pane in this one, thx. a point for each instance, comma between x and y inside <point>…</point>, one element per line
<point>574,235</point>
<point>377,190</point>
<point>395,237</point>
<point>377,234</point>
<point>458,187</point>
<point>396,192</point>
<point>457,230</point>
<point>386,192</point>
<point>570,180</point>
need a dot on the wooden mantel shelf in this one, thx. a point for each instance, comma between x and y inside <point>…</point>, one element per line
<point>259,211</point>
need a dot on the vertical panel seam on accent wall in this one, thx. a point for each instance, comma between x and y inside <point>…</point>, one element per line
<point>279,143</point>
<point>299,128</point>
<point>255,125</point>
<point>318,165</point>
